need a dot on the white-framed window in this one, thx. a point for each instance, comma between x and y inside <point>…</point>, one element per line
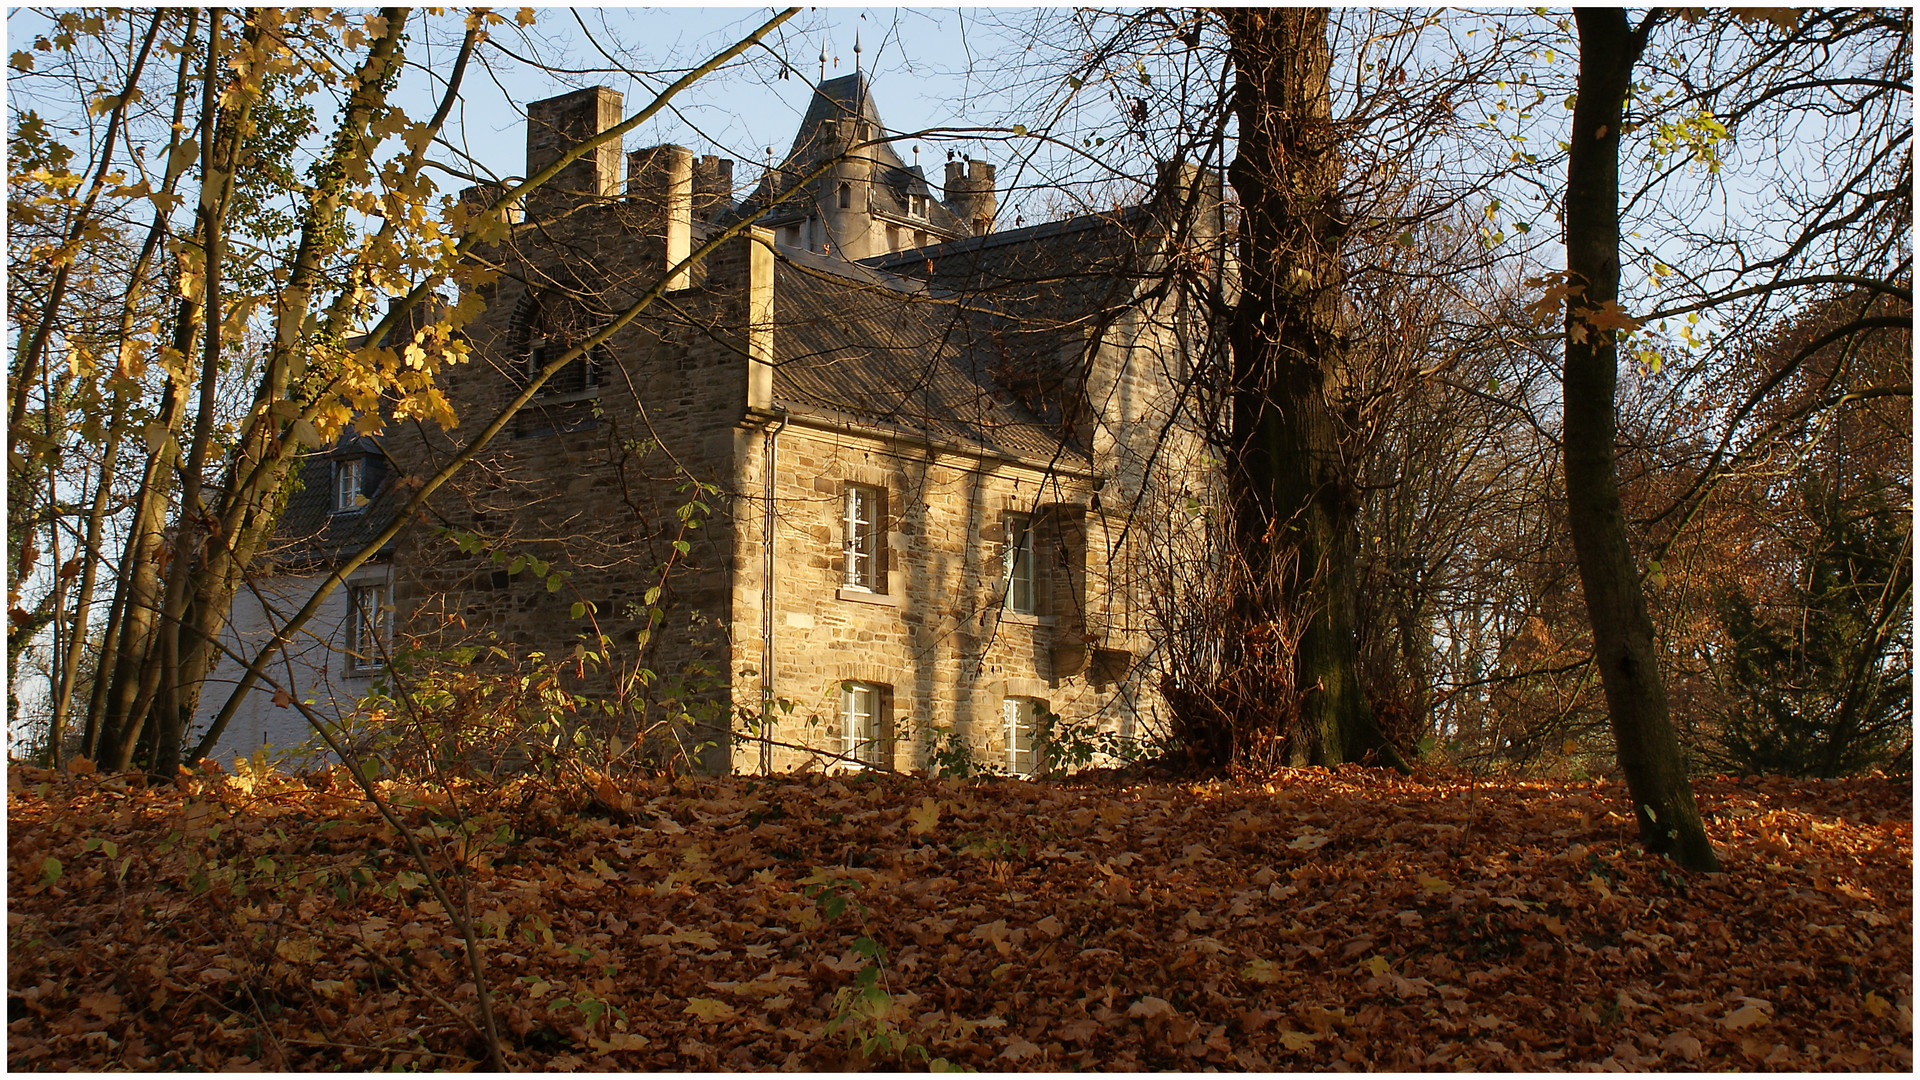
<point>369,625</point>
<point>1017,565</point>
<point>347,474</point>
<point>863,723</point>
<point>862,559</point>
<point>1022,716</point>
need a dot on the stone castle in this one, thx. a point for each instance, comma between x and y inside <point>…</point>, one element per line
<point>871,478</point>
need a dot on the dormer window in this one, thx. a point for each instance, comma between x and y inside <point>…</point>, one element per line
<point>917,205</point>
<point>347,475</point>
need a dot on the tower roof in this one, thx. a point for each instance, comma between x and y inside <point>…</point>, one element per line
<point>822,136</point>
<point>845,98</point>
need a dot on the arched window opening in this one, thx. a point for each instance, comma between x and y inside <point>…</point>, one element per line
<point>846,196</point>
<point>544,332</point>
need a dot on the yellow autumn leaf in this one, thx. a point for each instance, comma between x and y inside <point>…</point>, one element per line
<point>1433,885</point>
<point>699,938</point>
<point>709,1009</point>
<point>1744,1016</point>
<point>1378,965</point>
<point>619,1040</point>
<point>921,819</point>
<point>1297,1040</point>
<point>1261,971</point>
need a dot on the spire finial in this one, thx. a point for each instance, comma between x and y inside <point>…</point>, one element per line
<point>823,59</point>
<point>856,50</point>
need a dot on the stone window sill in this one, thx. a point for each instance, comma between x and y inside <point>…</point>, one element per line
<point>863,596</point>
<point>1022,619</point>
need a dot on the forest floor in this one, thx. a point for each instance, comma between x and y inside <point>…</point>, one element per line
<point>1317,920</point>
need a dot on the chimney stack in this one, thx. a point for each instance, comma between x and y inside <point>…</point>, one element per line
<point>970,196</point>
<point>557,125</point>
<point>662,177</point>
<point>712,187</point>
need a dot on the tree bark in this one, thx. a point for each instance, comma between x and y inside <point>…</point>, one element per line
<point>1293,490</point>
<point>1624,644</point>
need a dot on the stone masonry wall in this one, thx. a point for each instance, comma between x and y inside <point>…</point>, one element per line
<point>594,481</point>
<point>938,637</point>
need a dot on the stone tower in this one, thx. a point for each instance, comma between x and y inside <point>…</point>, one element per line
<point>969,191</point>
<point>558,124</point>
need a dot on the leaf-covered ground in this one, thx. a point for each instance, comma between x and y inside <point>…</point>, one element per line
<point>1319,920</point>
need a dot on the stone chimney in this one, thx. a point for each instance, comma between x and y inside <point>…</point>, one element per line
<point>1185,189</point>
<point>970,194</point>
<point>557,125</point>
<point>662,177</point>
<point>478,197</point>
<point>759,282</point>
<point>712,187</point>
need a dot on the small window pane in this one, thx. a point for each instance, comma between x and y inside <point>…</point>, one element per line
<point>346,484</point>
<point>1022,717</point>
<point>861,726</point>
<point>1018,565</point>
<point>861,563</point>
<point>369,625</point>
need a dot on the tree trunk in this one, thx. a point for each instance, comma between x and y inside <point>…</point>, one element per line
<point>1623,638</point>
<point>1292,486</point>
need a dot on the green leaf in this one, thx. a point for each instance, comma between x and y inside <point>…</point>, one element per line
<point>51,869</point>
<point>518,564</point>
<point>1019,129</point>
<point>578,610</point>
<point>554,581</point>
<point>682,546</point>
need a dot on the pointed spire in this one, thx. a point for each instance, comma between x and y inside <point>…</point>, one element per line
<point>856,50</point>
<point>823,59</point>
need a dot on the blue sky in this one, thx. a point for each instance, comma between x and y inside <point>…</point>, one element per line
<point>917,60</point>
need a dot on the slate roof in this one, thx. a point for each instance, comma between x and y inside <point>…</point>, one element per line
<point>854,345</point>
<point>311,533</point>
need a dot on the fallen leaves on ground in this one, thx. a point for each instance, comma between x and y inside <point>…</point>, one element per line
<point>1322,919</point>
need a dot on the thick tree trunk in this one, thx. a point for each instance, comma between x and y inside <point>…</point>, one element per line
<point>1293,489</point>
<point>1623,638</point>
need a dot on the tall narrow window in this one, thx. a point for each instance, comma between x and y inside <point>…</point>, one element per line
<point>846,196</point>
<point>861,529</point>
<point>369,626</point>
<point>347,474</point>
<point>1023,734</point>
<point>863,728</point>
<point>1018,564</point>
<point>537,356</point>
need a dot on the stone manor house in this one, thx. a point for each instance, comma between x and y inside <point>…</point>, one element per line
<point>888,471</point>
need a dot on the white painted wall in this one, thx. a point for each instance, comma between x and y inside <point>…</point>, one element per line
<point>312,668</point>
